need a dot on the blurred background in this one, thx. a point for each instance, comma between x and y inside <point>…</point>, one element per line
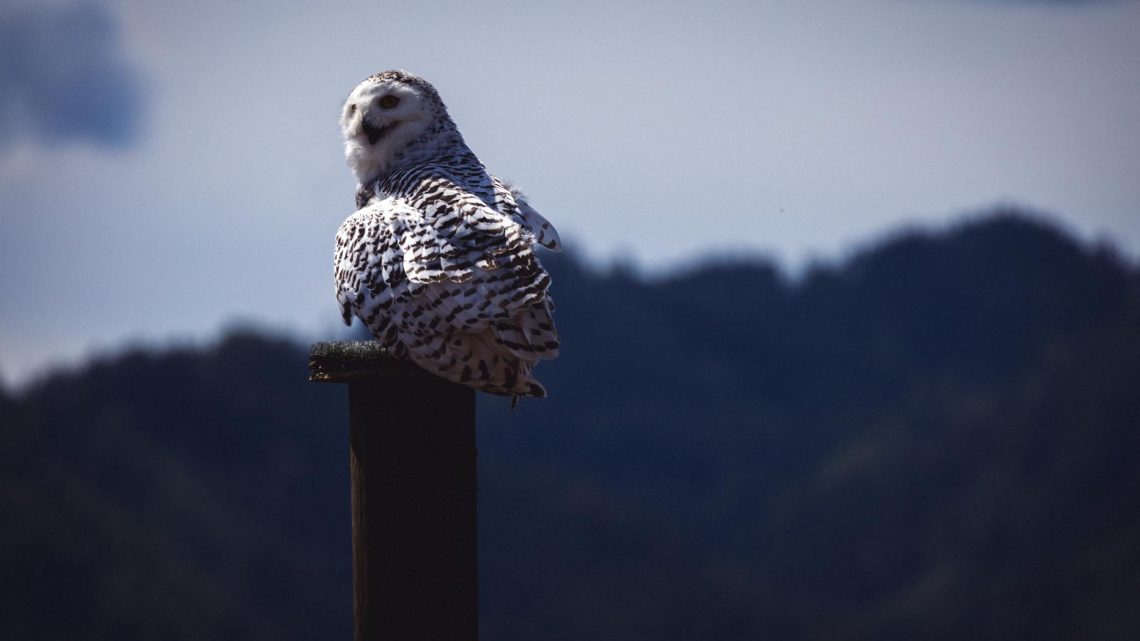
<point>850,319</point>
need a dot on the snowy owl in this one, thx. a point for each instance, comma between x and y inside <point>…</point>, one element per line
<point>438,260</point>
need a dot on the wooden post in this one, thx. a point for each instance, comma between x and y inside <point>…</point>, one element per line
<point>412,461</point>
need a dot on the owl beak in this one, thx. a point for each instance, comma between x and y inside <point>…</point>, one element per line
<point>375,133</point>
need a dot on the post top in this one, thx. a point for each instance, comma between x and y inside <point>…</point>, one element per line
<point>346,361</point>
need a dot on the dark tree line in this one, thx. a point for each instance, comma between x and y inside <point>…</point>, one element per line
<point>935,439</point>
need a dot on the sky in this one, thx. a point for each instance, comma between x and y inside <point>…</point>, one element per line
<point>169,169</point>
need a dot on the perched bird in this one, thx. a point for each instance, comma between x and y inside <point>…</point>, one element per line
<point>438,261</point>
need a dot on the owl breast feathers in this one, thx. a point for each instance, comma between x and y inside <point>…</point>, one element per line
<point>438,261</point>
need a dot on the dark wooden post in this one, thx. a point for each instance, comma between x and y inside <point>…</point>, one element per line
<point>412,459</point>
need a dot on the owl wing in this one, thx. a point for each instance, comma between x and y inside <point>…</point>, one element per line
<point>512,200</point>
<point>368,267</point>
<point>450,282</point>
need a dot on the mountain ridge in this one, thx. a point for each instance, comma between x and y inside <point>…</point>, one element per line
<point>932,438</point>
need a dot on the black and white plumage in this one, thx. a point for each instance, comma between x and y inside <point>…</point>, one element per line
<point>438,260</point>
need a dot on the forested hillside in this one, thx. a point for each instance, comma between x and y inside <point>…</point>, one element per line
<point>936,439</point>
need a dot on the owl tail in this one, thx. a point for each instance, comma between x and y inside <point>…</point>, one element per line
<point>478,361</point>
<point>530,335</point>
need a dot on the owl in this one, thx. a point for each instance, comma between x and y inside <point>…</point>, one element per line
<point>439,259</point>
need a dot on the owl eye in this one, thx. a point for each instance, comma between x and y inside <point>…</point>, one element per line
<point>387,102</point>
<point>351,110</point>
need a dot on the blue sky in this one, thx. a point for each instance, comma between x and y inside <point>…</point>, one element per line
<point>168,168</point>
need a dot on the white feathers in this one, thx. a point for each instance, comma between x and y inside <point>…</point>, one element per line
<point>438,261</point>
<point>373,132</point>
<point>544,232</point>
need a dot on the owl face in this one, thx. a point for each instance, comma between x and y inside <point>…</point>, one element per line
<point>382,117</point>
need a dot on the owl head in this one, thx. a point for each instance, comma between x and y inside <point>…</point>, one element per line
<point>392,119</point>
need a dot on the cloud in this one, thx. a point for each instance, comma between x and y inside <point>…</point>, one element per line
<point>62,78</point>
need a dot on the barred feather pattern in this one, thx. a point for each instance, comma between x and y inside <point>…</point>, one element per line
<point>439,263</point>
